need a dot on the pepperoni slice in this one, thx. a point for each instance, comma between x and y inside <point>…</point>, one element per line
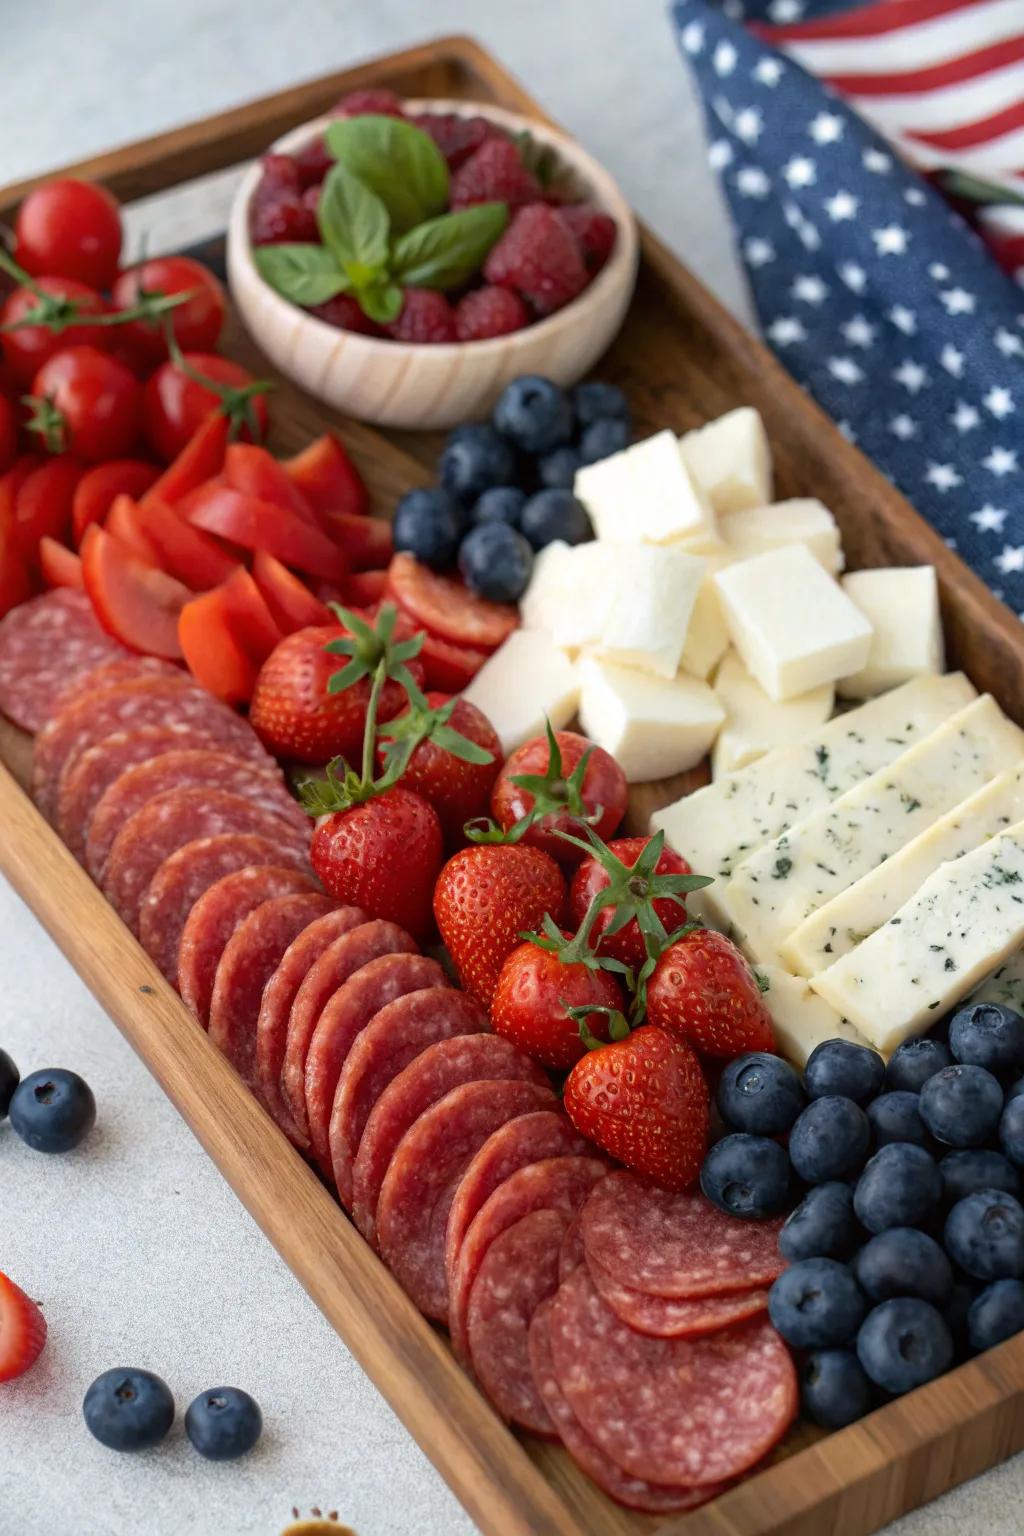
<point>572,1254</point>
<point>666,1317</point>
<point>446,606</point>
<point>45,645</point>
<point>125,667</point>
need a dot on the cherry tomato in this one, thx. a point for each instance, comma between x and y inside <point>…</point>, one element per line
<point>97,489</point>
<point>89,404</point>
<point>15,586</point>
<point>604,789</point>
<point>43,502</point>
<point>196,324</point>
<point>28,348</point>
<point>175,406</point>
<point>8,434</point>
<point>71,228</point>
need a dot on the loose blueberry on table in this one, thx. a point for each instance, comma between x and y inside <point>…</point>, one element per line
<point>128,1409</point>
<point>223,1423</point>
<point>53,1111</point>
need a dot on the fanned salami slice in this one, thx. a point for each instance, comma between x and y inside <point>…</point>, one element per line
<point>432,1074</point>
<point>691,1411</point>
<point>572,1253</point>
<point>45,644</point>
<point>668,1317</point>
<point>278,996</point>
<point>393,1038</point>
<point>170,821</point>
<point>214,919</point>
<point>519,1272</point>
<point>250,958</point>
<point>188,874</point>
<point>124,668</point>
<point>338,962</point>
<point>677,1244</point>
<point>417,1192</point>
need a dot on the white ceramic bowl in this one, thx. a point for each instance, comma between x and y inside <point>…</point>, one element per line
<point>399,384</point>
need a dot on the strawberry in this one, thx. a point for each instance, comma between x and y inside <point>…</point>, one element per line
<point>535,993</point>
<point>489,311</point>
<point>702,991</point>
<point>448,752</point>
<point>456,137</point>
<point>494,173</point>
<point>593,876</point>
<point>539,258</point>
<point>594,231</point>
<point>22,1330</point>
<point>485,897</point>
<point>382,855</point>
<point>644,1100</point>
<point>553,783</point>
<point>425,316</point>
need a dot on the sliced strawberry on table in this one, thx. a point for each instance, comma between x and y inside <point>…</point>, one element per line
<point>448,667</point>
<point>254,524</point>
<point>363,589</point>
<point>212,650</point>
<point>255,472</point>
<point>22,1330</point>
<point>124,523</point>
<point>445,606</point>
<point>702,991</point>
<point>368,542</point>
<point>183,551</point>
<point>97,488</point>
<point>136,603</point>
<point>250,616</point>
<point>58,565</point>
<point>199,461</point>
<point>290,601</point>
<point>327,478</point>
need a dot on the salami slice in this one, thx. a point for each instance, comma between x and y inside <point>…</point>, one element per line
<point>251,956</point>
<point>432,1074</point>
<point>519,1272</point>
<point>344,1016</point>
<point>633,1492</point>
<point>677,1244</point>
<point>667,1317</point>
<point>278,996</point>
<point>338,962</point>
<point>188,874</point>
<point>170,821</point>
<point>213,920</point>
<point>391,1040</point>
<point>572,1253</point>
<point>417,1192</point>
<point>692,1411</point>
<point>45,644</point>
<point>125,667</point>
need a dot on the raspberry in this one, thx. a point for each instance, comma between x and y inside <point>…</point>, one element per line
<point>313,161</point>
<point>594,231</point>
<point>280,174</point>
<point>278,217</point>
<point>343,312</point>
<point>426,316</point>
<point>456,137</point>
<point>382,103</point>
<point>489,312</point>
<point>495,173</point>
<point>539,258</point>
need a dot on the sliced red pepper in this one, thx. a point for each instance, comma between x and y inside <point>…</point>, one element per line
<point>183,551</point>
<point>260,525</point>
<point>60,566</point>
<point>42,504</point>
<point>255,472</point>
<point>200,459</point>
<point>97,488</point>
<point>136,603</point>
<point>288,598</point>
<point>124,523</point>
<point>364,588</point>
<point>327,478</point>
<point>249,616</point>
<point>368,542</point>
<point>212,651</point>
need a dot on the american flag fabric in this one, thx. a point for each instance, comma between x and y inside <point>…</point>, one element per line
<point>837,130</point>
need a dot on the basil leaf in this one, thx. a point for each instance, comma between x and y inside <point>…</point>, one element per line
<point>399,163</point>
<point>445,252</point>
<point>381,301</point>
<point>354,225</point>
<point>305,274</point>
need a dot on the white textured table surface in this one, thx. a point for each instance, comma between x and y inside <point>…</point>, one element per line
<point>136,1247</point>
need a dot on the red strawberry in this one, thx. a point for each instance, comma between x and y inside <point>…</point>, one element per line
<point>703,991</point>
<point>543,780</point>
<point>383,856</point>
<point>531,1005</point>
<point>628,944</point>
<point>426,316</point>
<point>343,312</point>
<point>594,231</point>
<point>22,1330</point>
<point>457,789</point>
<point>485,897</point>
<point>377,100</point>
<point>495,173</point>
<point>644,1100</point>
<point>456,137</point>
<point>489,312</point>
<point>539,258</point>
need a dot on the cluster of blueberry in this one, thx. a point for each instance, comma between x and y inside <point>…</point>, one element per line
<point>132,1410</point>
<point>506,485</point>
<point>906,1249</point>
<point>52,1111</point>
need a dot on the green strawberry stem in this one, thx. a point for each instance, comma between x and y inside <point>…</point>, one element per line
<point>421,723</point>
<point>370,733</point>
<point>618,1024</point>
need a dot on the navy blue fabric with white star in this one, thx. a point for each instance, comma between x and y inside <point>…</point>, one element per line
<point>874,294</point>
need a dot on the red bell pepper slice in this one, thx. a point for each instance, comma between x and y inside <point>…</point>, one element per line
<point>183,551</point>
<point>250,616</point>
<point>255,472</point>
<point>260,525</point>
<point>201,458</point>
<point>290,601</point>
<point>136,603</point>
<point>97,488</point>
<point>124,523</point>
<point>60,566</point>
<point>213,653</point>
<point>368,542</point>
<point>364,588</point>
<point>327,478</point>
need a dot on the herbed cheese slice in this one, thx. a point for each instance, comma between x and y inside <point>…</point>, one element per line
<point>754,723</point>
<point>801,1018</point>
<point>718,826</point>
<point>527,680</point>
<point>654,594</point>
<point>801,521</point>
<point>645,494</point>
<point>780,885</point>
<point>902,606</point>
<point>966,919</point>
<point>652,727</point>
<point>731,460</point>
<point>852,916</point>
<point>543,601</point>
<point>1005,985</point>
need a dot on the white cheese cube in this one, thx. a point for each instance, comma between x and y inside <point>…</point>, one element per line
<point>731,460</point>
<point>902,606</point>
<point>588,591</point>
<point>792,624</point>
<point>655,592</point>
<point>527,680</point>
<point>754,723</point>
<point>802,521</point>
<point>707,638</point>
<point>802,1020</point>
<point>542,602</point>
<point>653,727</point>
<point>645,494</point>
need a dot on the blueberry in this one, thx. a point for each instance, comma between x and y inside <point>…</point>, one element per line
<point>845,1070</point>
<point>1011,1131</point>
<point>997,1313</point>
<point>551,515</point>
<point>830,1140</point>
<point>475,458</point>
<point>914,1062</point>
<point>985,1235</point>
<point>128,1410</point>
<point>594,401</point>
<point>904,1262</point>
<point>428,523</point>
<point>500,504</point>
<point>1015,1090</point>
<point>904,1343</point>
<point>961,1105</point>
<point>603,438</point>
<point>823,1225</point>
<point>746,1176</point>
<point>899,1188</point>
<point>534,413</point>
<point>223,1423</point>
<point>53,1111</point>
<point>896,1117</point>
<point>987,1035</point>
<point>9,1077</point>
<point>816,1304</point>
<point>834,1390</point>
<point>965,1172</point>
<point>760,1093</point>
<point>496,562</point>
<point>557,469</point>
<point>956,1312</point>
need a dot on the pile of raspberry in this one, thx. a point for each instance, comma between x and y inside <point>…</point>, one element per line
<point>551,250</point>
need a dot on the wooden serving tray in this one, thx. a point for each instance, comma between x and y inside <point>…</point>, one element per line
<point>682,360</point>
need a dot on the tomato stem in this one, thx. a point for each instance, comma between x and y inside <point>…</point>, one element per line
<point>235,400</point>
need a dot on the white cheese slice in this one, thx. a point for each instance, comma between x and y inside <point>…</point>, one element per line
<point>802,1019</point>
<point>542,602</point>
<point>645,494</point>
<point>731,460</point>
<point>716,827</point>
<point>1005,985</point>
<point>653,727</point>
<point>902,606</point>
<point>707,638</point>
<point>777,887</point>
<point>794,626</point>
<point>966,919</point>
<point>754,723</point>
<point>589,588</point>
<point>852,916</point>
<point>801,521</point>
<point>655,592</point>
<point>528,680</point>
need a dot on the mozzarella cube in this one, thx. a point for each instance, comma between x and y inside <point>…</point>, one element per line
<point>793,626</point>
<point>754,723</point>
<point>589,588</point>
<point>902,606</point>
<point>528,680</point>
<point>541,603</point>
<point>707,638</point>
<point>653,727</point>
<point>802,521</point>
<point>731,461</point>
<point>645,494</point>
<point>655,592</point>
